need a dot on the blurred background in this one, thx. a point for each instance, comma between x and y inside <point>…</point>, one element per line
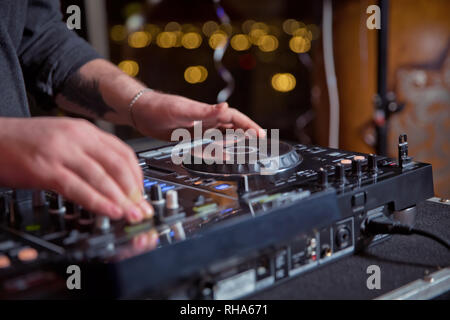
<point>309,68</point>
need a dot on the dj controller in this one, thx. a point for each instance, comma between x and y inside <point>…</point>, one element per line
<point>223,231</point>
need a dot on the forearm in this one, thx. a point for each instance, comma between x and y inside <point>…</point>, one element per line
<point>99,90</point>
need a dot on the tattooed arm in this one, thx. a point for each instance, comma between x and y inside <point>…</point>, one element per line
<point>99,90</point>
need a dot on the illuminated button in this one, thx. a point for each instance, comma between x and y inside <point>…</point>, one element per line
<point>205,208</point>
<point>165,189</point>
<point>359,158</point>
<point>4,262</point>
<point>199,182</point>
<point>346,162</point>
<point>223,186</point>
<point>27,254</point>
<point>149,183</point>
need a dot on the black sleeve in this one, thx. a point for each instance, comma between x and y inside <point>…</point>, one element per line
<point>49,52</point>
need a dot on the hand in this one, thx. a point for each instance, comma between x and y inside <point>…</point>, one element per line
<point>75,159</point>
<point>157,115</point>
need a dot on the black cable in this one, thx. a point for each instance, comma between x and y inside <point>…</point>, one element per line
<point>384,225</point>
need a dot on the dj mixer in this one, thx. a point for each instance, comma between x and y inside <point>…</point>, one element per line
<point>223,231</point>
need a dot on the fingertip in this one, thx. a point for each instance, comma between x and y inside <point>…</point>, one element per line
<point>115,212</point>
<point>222,105</point>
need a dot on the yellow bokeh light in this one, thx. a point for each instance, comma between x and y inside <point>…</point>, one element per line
<point>166,39</point>
<point>300,44</point>
<point>283,82</point>
<point>227,28</point>
<point>260,26</point>
<point>179,36</point>
<point>290,25</point>
<point>139,39</point>
<point>268,43</point>
<point>172,26</point>
<point>153,29</point>
<point>118,33</point>
<point>256,35</point>
<point>240,42</point>
<point>195,74</point>
<point>303,32</point>
<point>247,26</point>
<point>191,40</point>
<point>218,39</point>
<point>130,67</point>
<point>209,28</point>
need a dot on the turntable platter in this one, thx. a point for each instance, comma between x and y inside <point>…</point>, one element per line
<point>242,157</point>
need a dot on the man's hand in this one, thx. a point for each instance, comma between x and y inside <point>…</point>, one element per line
<point>75,159</point>
<point>100,89</point>
<point>158,114</point>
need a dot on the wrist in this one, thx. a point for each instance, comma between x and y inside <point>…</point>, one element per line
<point>139,96</point>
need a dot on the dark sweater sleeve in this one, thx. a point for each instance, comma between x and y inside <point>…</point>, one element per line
<point>49,52</point>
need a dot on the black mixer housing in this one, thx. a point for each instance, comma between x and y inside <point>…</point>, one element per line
<point>230,235</point>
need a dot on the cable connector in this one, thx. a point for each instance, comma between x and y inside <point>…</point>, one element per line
<point>384,225</point>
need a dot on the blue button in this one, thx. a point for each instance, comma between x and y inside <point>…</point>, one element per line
<point>149,183</point>
<point>167,188</point>
<point>222,186</point>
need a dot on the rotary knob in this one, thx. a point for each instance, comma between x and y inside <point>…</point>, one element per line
<point>322,176</point>
<point>340,174</point>
<point>373,163</point>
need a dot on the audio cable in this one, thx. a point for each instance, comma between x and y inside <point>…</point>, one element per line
<point>384,225</point>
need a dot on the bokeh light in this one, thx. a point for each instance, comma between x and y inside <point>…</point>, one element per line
<point>195,74</point>
<point>247,26</point>
<point>258,30</point>
<point>118,33</point>
<point>166,39</point>
<point>209,28</point>
<point>283,82</point>
<point>240,42</point>
<point>218,39</point>
<point>290,25</point>
<point>299,44</point>
<point>172,26</point>
<point>191,40</point>
<point>139,39</point>
<point>130,67</point>
<point>303,32</point>
<point>268,43</point>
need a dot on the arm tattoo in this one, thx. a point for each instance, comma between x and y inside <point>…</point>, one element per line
<point>86,94</point>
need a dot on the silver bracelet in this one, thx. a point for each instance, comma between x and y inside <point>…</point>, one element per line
<point>135,99</point>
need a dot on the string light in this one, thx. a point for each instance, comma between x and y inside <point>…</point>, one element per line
<point>240,42</point>
<point>172,26</point>
<point>218,39</point>
<point>247,26</point>
<point>283,82</point>
<point>290,25</point>
<point>118,33</point>
<point>130,67</point>
<point>209,28</point>
<point>191,40</point>
<point>195,74</point>
<point>268,43</point>
<point>303,32</point>
<point>299,44</point>
<point>166,39</point>
<point>139,39</point>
